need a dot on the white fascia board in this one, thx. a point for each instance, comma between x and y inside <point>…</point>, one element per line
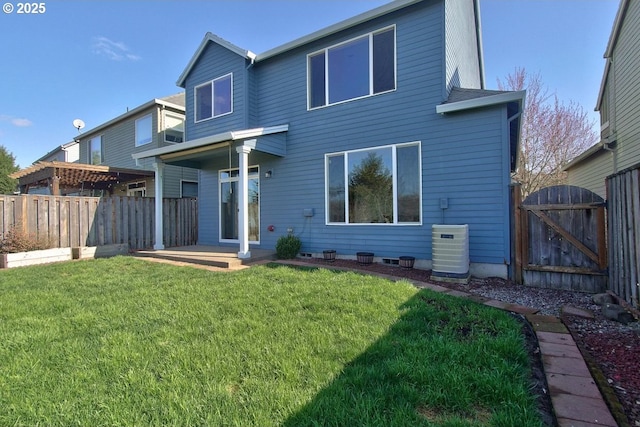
<point>335,28</point>
<point>603,83</point>
<point>68,145</point>
<point>210,37</point>
<point>615,30</point>
<point>480,102</point>
<point>211,140</point>
<point>253,133</point>
<point>170,105</point>
<point>476,13</point>
<point>584,155</point>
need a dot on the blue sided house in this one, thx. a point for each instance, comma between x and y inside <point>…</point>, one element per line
<point>357,137</point>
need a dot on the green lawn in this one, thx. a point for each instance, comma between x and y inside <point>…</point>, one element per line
<point>124,341</point>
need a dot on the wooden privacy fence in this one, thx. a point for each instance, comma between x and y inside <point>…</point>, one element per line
<point>97,221</point>
<point>623,197</point>
<point>560,239</point>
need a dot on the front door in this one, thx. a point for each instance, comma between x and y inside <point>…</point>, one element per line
<point>229,207</point>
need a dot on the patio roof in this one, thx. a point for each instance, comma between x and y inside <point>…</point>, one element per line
<point>270,140</point>
<point>76,175</point>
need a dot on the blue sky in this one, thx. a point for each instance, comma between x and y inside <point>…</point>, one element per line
<point>94,59</point>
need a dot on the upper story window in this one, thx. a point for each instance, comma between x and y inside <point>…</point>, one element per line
<point>95,150</point>
<point>214,98</point>
<point>380,185</point>
<point>143,130</point>
<point>360,67</point>
<point>173,127</point>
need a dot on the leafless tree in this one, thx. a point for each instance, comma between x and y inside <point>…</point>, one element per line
<point>553,133</point>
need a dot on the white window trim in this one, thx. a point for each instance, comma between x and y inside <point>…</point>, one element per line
<point>326,69</point>
<point>166,113</point>
<point>137,144</point>
<point>131,190</point>
<point>236,179</point>
<point>395,186</point>
<point>101,136</point>
<point>188,180</point>
<point>213,100</point>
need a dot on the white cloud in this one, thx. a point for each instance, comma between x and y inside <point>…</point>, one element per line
<point>116,51</point>
<point>16,121</point>
<point>22,123</point>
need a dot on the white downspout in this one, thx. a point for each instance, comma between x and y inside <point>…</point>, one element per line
<point>158,166</point>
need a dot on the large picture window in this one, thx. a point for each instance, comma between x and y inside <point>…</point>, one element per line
<point>379,185</point>
<point>360,67</point>
<point>214,98</point>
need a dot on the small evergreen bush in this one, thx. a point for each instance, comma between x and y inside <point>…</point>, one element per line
<point>288,247</point>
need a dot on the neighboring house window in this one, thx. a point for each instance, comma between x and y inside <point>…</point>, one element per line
<point>354,69</point>
<point>137,189</point>
<point>215,98</point>
<point>143,130</point>
<point>379,185</point>
<point>189,189</point>
<point>173,127</point>
<point>95,150</point>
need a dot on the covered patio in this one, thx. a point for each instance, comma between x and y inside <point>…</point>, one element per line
<point>196,153</point>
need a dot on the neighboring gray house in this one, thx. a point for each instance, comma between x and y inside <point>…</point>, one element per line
<point>357,137</point>
<point>618,104</point>
<point>69,152</point>
<point>102,162</point>
<point>157,123</point>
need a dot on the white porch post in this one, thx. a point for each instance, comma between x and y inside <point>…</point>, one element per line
<point>159,175</point>
<point>243,200</point>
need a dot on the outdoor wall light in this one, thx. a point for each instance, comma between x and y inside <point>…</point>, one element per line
<point>268,173</point>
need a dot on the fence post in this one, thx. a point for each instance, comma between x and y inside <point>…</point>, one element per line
<point>516,191</point>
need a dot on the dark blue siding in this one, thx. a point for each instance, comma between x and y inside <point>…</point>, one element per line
<point>217,61</point>
<point>208,212</point>
<point>464,155</point>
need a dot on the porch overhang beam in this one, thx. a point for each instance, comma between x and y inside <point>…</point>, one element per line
<point>273,136</point>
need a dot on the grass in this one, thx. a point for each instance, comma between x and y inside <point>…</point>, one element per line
<point>127,342</point>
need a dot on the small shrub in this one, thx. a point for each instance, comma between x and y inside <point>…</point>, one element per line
<point>16,240</point>
<point>288,247</point>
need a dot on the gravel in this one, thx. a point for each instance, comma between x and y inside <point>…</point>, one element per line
<point>611,349</point>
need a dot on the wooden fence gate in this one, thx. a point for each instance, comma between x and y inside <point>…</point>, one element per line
<point>561,240</point>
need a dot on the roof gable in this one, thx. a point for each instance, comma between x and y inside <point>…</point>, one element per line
<point>317,35</point>
<point>211,38</point>
<point>611,44</point>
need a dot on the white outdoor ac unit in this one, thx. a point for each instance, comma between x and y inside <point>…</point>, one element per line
<point>450,252</point>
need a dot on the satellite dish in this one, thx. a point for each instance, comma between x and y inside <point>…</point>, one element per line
<point>78,124</point>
